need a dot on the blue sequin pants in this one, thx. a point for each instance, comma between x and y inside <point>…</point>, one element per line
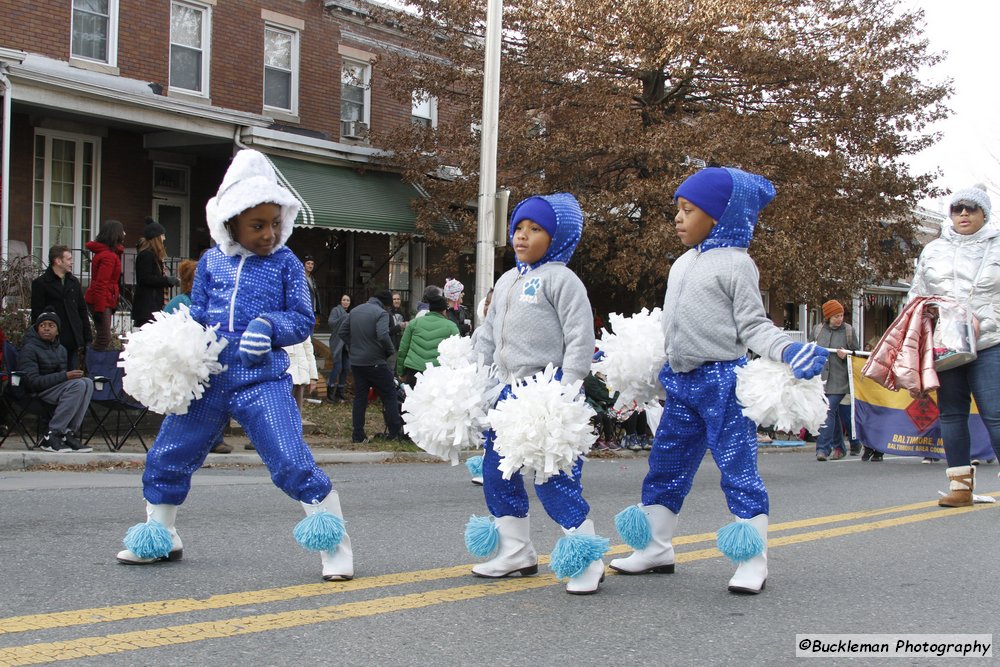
<point>701,412</point>
<point>260,399</point>
<point>561,495</point>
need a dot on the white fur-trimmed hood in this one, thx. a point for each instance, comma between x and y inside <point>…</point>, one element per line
<point>249,181</point>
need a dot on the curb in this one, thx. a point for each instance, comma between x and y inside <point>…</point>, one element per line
<point>27,460</point>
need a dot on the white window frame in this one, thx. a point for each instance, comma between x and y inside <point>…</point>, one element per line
<point>112,55</point>
<point>420,97</point>
<point>366,68</point>
<point>44,198</point>
<point>294,83</point>
<point>206,47</point>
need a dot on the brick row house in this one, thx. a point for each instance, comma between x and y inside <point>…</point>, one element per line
<point>122,109</point>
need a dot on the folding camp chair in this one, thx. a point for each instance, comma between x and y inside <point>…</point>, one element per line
<point>20,404</point>
<point>110,398</point>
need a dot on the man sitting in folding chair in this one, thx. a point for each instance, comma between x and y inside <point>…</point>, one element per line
<point>42,361</point>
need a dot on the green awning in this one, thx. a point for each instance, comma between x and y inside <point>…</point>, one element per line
<point>344,198</point>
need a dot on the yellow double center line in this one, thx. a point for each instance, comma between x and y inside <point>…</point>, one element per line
<point>194,632</point>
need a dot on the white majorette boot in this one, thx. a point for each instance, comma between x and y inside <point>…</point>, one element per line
<point>508,540</point>
<point>578,556</point>
<point>323,530</point>
<point>649,529</point>
<point>154,541</point>
<point>745,541</point>
<point>474,464</point>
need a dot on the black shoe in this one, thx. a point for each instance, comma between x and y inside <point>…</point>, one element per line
<point>869,452</point>
<point>877,456</point>
<point>53,442</point>
<point>74,443</point>
<point>221,447</point>
<point>249,446</point>
<point>855,450</point>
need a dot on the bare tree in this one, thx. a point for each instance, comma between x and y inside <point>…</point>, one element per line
<point>617,101</point>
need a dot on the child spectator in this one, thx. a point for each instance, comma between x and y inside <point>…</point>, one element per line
<point>105,273</point>
<point>43,361</point>
<point>302,368</point>
<point>421,338</point>
<point>712,313</point>
<point>185,272</point>
<point>542,316</point>
<point>254,289</point>
<point>457,313</point>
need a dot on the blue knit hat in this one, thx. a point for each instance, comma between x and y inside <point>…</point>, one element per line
<point>975,195</point>
<point>733,198</point>
<point>561,217</point>
<point>537,210</point>
<point>709,190</point>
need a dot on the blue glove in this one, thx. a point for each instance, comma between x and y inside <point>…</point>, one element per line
<point>806,360</point>
<point>255,343</point>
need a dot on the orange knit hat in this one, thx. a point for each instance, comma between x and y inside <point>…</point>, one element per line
<point>831,308</point>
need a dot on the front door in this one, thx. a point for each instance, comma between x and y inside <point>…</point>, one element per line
<point>172,213</point>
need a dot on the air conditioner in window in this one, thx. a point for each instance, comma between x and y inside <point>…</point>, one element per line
<point>354,129</point>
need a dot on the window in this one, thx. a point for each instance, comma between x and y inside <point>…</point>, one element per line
<point>95,30</point>
<point>424,110</point>
<point>65,191</point>
<point>355,96</point>
<point>190,27</point>
<point>281,65</point>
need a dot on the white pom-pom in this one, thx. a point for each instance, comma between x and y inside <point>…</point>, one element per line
<point>772,396</point>
<point>633,356</point>
<point>455,351</point>
<point>544,426</point>
<point>446,411</point>
<point>168,361</point>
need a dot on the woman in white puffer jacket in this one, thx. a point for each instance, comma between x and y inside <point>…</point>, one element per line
<point>964,264</point>
<point>302,368</point>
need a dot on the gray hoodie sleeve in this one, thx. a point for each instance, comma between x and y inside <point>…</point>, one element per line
<point>754,327</point>
<point>573,306</point>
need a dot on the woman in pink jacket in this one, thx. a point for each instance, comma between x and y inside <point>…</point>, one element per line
<point>105,272</point>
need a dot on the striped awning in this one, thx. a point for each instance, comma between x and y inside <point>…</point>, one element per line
<point>344,198</point>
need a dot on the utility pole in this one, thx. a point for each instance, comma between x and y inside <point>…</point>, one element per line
<point>486,221</point>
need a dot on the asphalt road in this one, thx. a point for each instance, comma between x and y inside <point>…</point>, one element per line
<point>855,548</point>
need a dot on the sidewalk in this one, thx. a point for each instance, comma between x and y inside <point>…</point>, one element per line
<point>325,450</point>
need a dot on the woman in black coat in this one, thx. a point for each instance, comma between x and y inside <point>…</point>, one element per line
<point>151,281</point>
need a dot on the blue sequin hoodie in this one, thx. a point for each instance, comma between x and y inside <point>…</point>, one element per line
<point>713,310</point>
<point>540,313</point>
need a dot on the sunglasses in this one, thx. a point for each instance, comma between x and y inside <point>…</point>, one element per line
<point>956,209</point>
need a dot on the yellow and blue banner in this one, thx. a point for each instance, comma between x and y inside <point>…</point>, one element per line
<point>894,423</point>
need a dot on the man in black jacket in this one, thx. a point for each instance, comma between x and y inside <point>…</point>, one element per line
<point>58,291</point>
<point>366,333</point>
<point>42,360</point>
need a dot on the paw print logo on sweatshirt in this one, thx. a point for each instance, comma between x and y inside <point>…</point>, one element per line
<point>532,287</point>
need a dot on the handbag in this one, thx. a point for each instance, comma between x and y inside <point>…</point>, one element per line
<point>956,329</point>
<point>955,332</point>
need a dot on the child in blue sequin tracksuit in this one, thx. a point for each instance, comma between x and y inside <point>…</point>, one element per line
<point>712,313</point>
<point>540,315</point>
<point>254,288</point>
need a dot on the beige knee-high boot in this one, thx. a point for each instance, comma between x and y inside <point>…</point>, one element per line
<point>154,541</point>
<point>961,483</point>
